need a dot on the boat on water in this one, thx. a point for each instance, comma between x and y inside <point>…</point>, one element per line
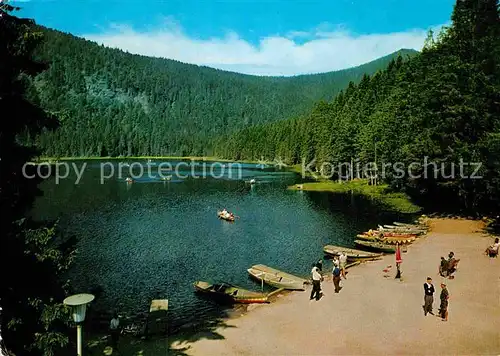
<point>277,278</point>
<point>129,180</point>
<point>379,246</point>
<point>226,292</point>
<point>352,254</point>
<point>225,216</point>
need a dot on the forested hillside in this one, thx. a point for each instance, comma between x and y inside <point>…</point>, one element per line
<point>443,104</point>
<point>114,103</point>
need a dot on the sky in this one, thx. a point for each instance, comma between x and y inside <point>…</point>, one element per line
<point>273,37</point>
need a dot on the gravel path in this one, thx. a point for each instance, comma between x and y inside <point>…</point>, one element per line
<point>374,314</point>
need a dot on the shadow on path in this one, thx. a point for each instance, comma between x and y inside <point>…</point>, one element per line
<point>177,343</point>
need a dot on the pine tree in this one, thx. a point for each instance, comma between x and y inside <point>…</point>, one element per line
<point>33,317</point>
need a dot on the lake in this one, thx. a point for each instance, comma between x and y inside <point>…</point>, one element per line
<point>151,239</point>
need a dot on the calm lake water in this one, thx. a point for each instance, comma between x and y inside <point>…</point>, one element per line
<point>152,239</point>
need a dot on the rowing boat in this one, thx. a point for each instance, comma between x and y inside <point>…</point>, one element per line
<point>368,237</point>
<point>402,230</point>
<point>276,278</point>
<point>223,216</point>
<point>352,254</point>
<point>412,226</point>
<point>378,246</point>
<point>229,293</point>
<point>390,233</point>
<point>388,239</point>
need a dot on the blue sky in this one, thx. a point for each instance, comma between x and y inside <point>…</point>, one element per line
<point>274,37</point>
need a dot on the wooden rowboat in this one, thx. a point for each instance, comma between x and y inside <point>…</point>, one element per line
<point>368,237</point>
<point>391,234</point>
<point>405,227</point>
<point>391,239</point>
<point>223,216</point>
<point>276,278</point>
<point>412,226</point>
<point>229,293</point>
<point>378,246</point>
<point>402,230</point>
<point>352,254</point>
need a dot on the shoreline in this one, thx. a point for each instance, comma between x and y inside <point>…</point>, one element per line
<point>383,312</point>
<point>394,201</point>
<point>128,158</point>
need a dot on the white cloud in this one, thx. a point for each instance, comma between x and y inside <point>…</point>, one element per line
<point>320,50</point>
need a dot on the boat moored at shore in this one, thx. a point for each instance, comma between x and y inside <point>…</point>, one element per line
<point>352,254</point>
<point>379,246</point>
<point>276,278</point>
<point>226,292</point>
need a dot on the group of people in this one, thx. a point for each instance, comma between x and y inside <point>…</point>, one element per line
<point>448,266</point>
<point>429,299</point>
<point>339,266</point>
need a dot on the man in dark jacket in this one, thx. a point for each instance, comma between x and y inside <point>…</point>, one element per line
<point>428,296</point>
<point>336,278</point>
<point>452,264</point>
<point>443,309</point>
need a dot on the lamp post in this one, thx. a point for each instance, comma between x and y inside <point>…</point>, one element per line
<point>79,302</point>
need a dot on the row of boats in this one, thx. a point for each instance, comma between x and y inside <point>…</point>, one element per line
<point>386,239</point>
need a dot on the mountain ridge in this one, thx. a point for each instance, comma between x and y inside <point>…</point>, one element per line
<point>115,103</point>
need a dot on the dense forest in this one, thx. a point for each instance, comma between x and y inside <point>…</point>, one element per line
<point>33,319</point>
<point>112,103</point>
<point>441,106</point>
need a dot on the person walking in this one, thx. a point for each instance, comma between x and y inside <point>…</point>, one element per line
<point>336,278</point>
<point>428,296</point>
<point>316,284</point>
<point>114,328</point>
<point>443,308</point>
<point>343,263</point>
<point>399,260</point>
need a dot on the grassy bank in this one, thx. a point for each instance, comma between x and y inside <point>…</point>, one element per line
<point>394,201</point>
